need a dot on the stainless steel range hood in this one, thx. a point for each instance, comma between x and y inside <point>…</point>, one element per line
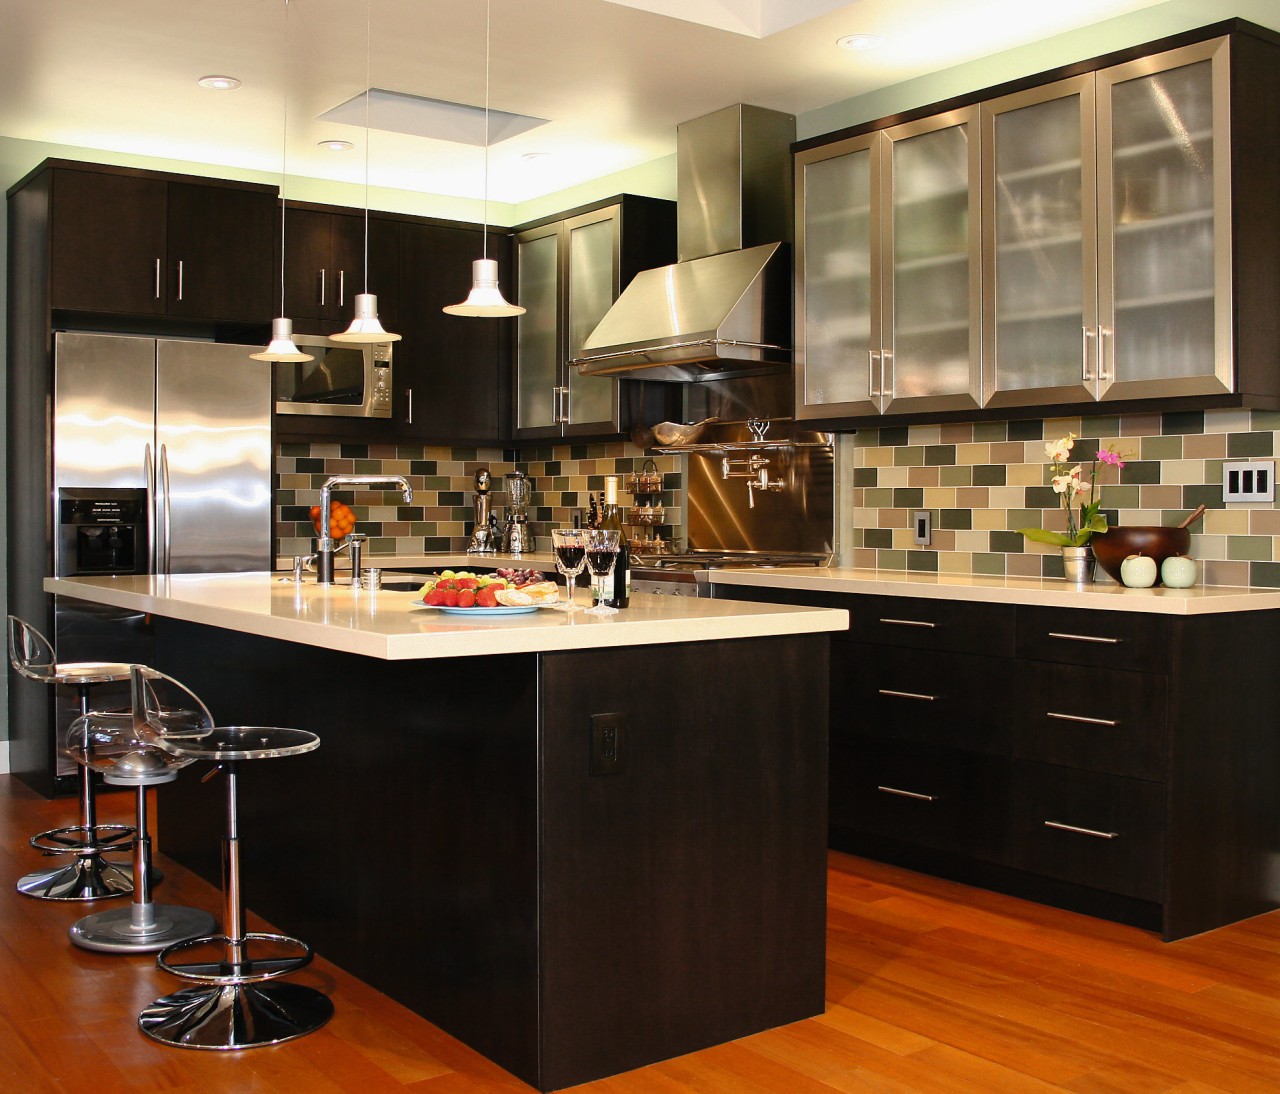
<point>724,309</point>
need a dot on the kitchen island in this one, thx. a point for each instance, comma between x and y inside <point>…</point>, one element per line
<point>577,844</point>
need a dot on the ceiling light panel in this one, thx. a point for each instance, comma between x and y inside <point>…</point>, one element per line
<point>435,119</point>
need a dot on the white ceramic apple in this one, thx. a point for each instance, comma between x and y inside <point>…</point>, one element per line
<point>1138,571</point>
<point>1178,572</point>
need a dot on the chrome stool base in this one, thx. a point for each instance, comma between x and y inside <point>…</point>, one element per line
<point>236,1016</point>
<point>88,878</point>
<point>114,931</point>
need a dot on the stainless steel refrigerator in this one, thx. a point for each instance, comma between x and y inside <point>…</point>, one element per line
<point>183,426</point>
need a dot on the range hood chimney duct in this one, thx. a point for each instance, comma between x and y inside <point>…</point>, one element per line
<point>723,310</point>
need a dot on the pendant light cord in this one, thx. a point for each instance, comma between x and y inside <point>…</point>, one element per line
<point>284,152</point>
<point>368,70</point>
<point>484,231</point>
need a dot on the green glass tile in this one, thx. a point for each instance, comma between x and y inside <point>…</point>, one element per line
<point>1031,430</point>
<point>1208,496</point>
<point>892,560</point>
<point>1008,542</point>
<point>923,561</point>
<point>1183,421</point>
<point>367,467</point>
<point>881,538</point>
<point>955,476</point>
<point>1248,444</point>
<point>1162,448</point>
<point>868,438</point>
<point>1265,575</point>
<point>1041,497</point>
<point>909,456</point>
<point>992,565</point>
<point>1100,426</point>
<point>436,482</point>
<point>879,498</point>
<point>1137,472</point>
<point>1025,518</point>
<point>1213,471</point>
<point>938,455</point>
<point>1265,419</point>
<point>1249,548</point>
<point>893,436</point>
<point>989,474</point>
<point>866,476</point>
<point>955,518</point>
<point>381,545</point>
<point>908,497</point>
<point>294,448</point>
<point>462,455</point>
<point>990,432</point>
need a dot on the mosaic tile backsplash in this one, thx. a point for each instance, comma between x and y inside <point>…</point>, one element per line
<point>439,517</point>
<point>982,481</point>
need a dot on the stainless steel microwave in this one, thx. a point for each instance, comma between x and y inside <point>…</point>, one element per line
<point>346,379</point>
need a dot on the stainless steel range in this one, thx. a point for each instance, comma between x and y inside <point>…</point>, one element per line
<point>759,494</point>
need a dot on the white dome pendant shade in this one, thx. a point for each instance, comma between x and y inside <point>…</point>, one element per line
<point>281,347</point>
<point>365,327</point>
<point>485,298</point>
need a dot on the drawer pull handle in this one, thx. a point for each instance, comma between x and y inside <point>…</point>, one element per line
<point>910,623</point>
<point>908,794</point>
<point>1081,718</point>
<point>907,695</point>
<point>1086,638</point>
<point>1081,831</point>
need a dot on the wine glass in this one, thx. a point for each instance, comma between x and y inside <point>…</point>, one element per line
<point>602,554</point>
<point>571,552</point>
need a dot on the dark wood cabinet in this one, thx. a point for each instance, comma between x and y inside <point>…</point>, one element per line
<point>324,265</point>
<point>144,243</point>
<point>451,374</point>
<point>1119,763</point>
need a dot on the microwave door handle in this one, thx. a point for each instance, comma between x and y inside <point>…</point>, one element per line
<point>149,482</point>
<point>166,542</point>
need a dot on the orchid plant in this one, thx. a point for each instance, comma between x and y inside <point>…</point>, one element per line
<point>1081,498</point>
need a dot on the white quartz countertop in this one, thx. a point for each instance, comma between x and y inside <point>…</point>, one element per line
<point>1050,592</point>
<point>386,624</point>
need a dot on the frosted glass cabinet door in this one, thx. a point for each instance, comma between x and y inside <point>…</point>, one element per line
<point>837,287</point>
<point>1040,250</point>
<point>593,280</point>
<point>932,352</point>
<point>537,258</point>
<point>1165,244</point>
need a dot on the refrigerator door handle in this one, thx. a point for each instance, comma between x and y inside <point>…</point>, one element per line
<point>166,542</point>
<point>149,484</point>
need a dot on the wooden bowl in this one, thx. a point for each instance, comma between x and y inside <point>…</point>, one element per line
<point>1116,544</point>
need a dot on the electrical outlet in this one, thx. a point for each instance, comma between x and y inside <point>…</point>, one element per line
<point>1248,480</point>
<point>922,524</point>
<point>608,744</point>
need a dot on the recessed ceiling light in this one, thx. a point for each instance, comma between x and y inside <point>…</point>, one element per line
<point>336,146</point>
<point>860,41</point>
<point>219,83</point>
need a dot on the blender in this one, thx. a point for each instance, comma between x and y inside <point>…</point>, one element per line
<point>517,538</point>
<point>484,525</point>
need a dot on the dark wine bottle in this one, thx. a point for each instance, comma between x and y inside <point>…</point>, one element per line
<point>617,586</point>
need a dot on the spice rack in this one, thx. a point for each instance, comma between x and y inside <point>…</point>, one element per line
<point>646,511</point>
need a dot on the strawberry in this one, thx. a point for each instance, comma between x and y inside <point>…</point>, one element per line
<point>466,598</point>
<point>487,598</point>
<point>436,597</point>
<point>450,598</point>
<point>467,583</point>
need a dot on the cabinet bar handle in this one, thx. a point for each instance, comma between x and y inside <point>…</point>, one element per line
<point>408,395</point>
<point>1081,718</point>
<point>1081,831</point>
<point>907,695</point>
<point>179,279</point>
<point>342,288</point>
<point>322,286</point>
<point>1086,373</point>
<point>909,794</point>
<point>157,279</point>
<point>910,623</point>
<point>1086,638</point>
<point>1105,335</point>
<point>873,386</point>
<point>559,405</point>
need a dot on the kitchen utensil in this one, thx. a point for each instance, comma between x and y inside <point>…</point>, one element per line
<point>1112,547</point>
<point>517,538</point>
<point>675,433</point>
<point>1200,509</point>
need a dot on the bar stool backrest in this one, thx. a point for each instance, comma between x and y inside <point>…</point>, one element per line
<point>30,653</point>
<point>165,710</point>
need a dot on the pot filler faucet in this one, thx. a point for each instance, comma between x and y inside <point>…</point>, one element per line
<point>324,542</point>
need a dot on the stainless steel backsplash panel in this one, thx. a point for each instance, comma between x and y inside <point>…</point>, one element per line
<point>797,519</point>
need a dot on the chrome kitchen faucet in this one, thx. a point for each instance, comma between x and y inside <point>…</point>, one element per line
<point>324,542</point>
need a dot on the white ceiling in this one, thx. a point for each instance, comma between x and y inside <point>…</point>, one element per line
<point>613,76</point>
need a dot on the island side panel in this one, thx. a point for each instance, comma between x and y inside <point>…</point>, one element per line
<point>684,893</point>
<point>404,848</point>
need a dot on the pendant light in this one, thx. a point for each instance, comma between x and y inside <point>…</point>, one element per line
<point>282,347</point>
<point>485,298</point>
<point>366,327</point>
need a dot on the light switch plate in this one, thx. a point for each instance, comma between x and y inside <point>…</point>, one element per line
<point>1248,480</point>
<point>922,526</point>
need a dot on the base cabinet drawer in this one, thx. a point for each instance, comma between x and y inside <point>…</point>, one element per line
<point>1104,831</point>
<point>945,799</point>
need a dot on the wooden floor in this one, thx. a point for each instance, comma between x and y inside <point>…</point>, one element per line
<point>930,987</point>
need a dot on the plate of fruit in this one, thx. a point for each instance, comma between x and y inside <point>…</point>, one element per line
<point>505,592</point>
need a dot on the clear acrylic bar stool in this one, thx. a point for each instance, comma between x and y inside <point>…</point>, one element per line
<point>237,1001</point>
<point>122,748</point>
<point>90,876</point>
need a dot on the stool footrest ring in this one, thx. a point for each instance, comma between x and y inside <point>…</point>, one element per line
<point>80,840</point>
<point>227,972</point>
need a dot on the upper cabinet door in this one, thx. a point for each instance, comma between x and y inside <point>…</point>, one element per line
<point>537,334</point>
<point>592,288</point>
<point>838,292</point>
<point>306,259</point>
<point>931,351</point>
<point>1164,253</point>
<point>1040,248</point>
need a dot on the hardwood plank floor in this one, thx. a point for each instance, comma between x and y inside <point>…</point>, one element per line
<point>931,986</point>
